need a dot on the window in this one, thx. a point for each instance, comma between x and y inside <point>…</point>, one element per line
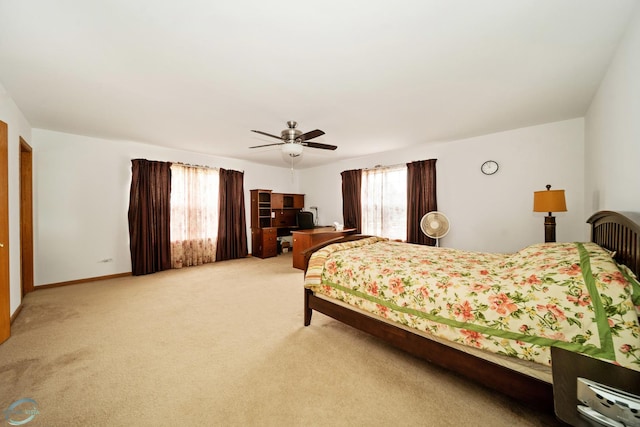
<point>384,202</point>
<point>194,215</point>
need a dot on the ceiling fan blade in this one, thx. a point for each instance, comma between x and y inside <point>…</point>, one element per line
<point>319,145</point>
<point>267,145</point>
<point>266,134</point>
<point>310,135</point>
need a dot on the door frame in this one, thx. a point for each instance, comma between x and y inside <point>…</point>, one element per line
<point>26,217</point>
<point>5,297</point>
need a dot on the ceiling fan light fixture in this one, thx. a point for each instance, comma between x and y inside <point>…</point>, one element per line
<point>292,149</point>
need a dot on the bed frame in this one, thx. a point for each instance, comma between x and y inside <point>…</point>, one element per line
<point>615,231</point>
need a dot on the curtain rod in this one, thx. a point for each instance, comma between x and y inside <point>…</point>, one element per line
<point>385,166</point>
<point>202,166</point>
<point>392,166</point>
<point>194,166</point>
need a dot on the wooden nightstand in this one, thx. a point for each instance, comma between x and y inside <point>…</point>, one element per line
<point>567,366</point>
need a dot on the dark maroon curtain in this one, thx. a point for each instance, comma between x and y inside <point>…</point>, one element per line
<point>351,199</point>
<point>232,224</point>
<point>149,213</point>
<point>421,198</point>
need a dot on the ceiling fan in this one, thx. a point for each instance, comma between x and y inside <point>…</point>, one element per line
<point>293,140</point>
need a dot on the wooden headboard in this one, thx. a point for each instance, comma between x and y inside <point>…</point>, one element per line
<point>619,232</point>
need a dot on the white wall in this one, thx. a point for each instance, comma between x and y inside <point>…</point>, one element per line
<point>81,184</point>
<point>487,213</point>
<point>81,187</point>
<point>612,131</point>
<point>18,126</point>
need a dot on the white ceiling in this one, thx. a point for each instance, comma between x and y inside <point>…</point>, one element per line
<point>375,75</point>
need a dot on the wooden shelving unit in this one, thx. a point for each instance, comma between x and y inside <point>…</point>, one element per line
<point>272,215</point>
<point>260,208</point>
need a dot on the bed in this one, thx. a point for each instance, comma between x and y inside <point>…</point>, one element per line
<point>498,341</point>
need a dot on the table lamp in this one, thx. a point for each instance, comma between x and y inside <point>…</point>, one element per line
<point>549,201</point>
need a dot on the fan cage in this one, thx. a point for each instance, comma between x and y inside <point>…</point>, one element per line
<point>435,225</point>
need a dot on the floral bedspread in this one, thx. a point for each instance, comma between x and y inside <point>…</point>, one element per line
<point>570,295</point>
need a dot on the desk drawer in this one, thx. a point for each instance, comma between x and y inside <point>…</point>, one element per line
<point>269,242</point>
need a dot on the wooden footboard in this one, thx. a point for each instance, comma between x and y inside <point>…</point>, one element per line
<point>535,392</point>
<point>308,252</point>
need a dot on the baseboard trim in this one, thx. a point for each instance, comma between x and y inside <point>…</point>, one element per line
<point>79,281</point>
<point>14,316</point>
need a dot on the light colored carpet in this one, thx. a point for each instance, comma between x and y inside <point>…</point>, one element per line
<point>222,344</point>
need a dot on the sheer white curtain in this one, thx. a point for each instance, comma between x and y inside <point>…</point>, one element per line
<point>384,202</point>
<point>194,215</point>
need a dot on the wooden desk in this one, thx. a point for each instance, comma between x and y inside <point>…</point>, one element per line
<point>304,239</point>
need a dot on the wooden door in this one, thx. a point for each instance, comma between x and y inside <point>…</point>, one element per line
<point>5,319</point>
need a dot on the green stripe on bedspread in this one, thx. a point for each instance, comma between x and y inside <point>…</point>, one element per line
<point>635,286</point>
<point>604,332</point>
<point>547,342</point>
<point>568,295</point>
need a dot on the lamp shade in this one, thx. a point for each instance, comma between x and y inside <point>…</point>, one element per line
<point>292,149</point>
<point>549,201</point>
